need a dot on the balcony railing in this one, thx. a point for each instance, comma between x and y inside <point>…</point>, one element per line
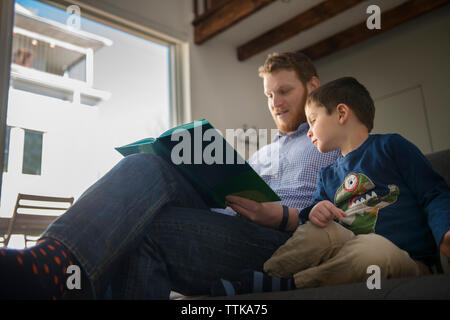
<point>55,68</point>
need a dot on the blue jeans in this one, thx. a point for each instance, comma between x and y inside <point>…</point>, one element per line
<point>142,231</point>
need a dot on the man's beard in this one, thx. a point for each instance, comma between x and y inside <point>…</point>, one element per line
<point>297,118</point>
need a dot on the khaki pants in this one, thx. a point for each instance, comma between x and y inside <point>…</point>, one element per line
<point>333,255</point>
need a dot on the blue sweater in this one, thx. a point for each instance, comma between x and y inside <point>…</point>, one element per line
<point>387,186</point>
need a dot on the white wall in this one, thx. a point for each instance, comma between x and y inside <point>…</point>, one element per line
<point>229,93</point>
<point>407,63</point>
<point>411,58</point>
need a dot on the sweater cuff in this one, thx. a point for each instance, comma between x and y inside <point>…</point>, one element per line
<point>303,215</point>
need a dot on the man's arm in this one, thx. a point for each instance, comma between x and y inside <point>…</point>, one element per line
<point>267,214</point>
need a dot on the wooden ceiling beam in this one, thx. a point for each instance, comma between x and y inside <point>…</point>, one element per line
<point>224,16</point>
<point>358,33</point>
<point>305,20</point>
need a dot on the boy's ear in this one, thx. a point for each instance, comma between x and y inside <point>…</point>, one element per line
<point>343,112</point>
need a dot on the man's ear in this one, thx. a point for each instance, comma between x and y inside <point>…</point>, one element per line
<point>343,112</point>
<point>313,83</point>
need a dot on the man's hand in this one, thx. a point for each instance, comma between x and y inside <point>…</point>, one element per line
<point>267,214</point>
<point>323,212</point>
<point>445,245</point>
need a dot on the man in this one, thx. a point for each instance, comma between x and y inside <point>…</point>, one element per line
<point>142,231</point>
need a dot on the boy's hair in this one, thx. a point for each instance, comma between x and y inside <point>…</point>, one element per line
<point>349,91</point>
<point>297,61</point>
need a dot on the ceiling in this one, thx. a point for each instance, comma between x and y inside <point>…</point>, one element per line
<point>273,14</point>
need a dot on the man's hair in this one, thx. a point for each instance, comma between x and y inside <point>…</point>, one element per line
<point>349,91</point>
<point>297,61</point>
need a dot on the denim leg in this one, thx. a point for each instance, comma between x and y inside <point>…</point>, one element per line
<point>186,249</point>
<point>110,218</point>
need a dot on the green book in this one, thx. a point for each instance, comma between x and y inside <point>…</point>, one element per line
<point>213,167</point>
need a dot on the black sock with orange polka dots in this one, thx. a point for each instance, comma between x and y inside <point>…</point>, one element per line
<point>38,272</point>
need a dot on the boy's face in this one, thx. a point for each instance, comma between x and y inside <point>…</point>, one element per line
<point>286,97</point>
<point>323,127</point>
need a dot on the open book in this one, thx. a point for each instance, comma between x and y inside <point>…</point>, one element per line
<point>213,167</point>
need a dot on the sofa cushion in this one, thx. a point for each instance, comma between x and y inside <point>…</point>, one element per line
<point>426,287</point>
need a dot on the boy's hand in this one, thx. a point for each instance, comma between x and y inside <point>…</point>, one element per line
<point>445,245</point>
<point>323,212</point>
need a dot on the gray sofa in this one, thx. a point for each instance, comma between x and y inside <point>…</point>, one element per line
<point>433,287</point>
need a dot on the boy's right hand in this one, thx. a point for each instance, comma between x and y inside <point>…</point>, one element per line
<point>323,212</point>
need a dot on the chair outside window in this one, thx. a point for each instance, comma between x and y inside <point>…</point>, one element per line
<point>4,224</point>
<point>32,215</point>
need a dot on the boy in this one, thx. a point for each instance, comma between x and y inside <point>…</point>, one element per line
<point>391,209</point>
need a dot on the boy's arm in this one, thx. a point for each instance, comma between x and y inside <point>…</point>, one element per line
<point>429,188</point>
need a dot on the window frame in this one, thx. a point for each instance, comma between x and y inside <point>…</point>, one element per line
<point>6,148</point>
<point>6,32</point>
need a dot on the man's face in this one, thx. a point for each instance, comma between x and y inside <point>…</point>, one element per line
<point>286,97</point>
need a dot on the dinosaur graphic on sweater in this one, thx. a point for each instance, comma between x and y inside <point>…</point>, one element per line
<point>357,197</point>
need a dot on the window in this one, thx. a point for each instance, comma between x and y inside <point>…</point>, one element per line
<point>32,152</point>
<point>76,94</point>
